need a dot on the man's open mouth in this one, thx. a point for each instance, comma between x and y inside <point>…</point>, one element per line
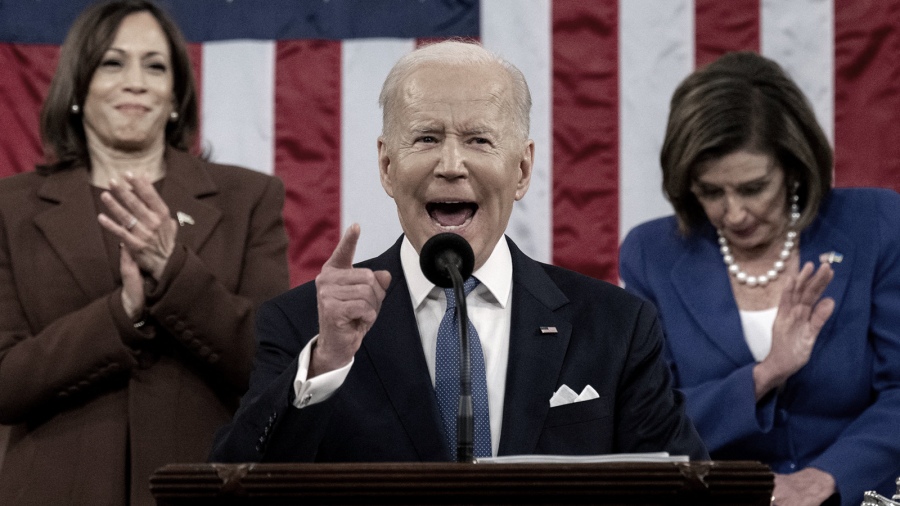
<point>451,214</point>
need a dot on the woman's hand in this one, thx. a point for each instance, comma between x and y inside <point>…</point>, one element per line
<point>807,487</point>
<point>801,315</point>
<point>141,220</point>
<point>133,299</point>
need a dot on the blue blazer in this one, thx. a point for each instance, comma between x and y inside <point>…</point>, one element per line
<point>386,410</point>
<point>841,412</point>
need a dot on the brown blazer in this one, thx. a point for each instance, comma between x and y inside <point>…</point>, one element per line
<point>98,405</point>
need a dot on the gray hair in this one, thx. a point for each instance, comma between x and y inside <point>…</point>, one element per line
<point>451,53</point>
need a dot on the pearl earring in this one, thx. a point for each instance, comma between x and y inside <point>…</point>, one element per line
<point>173,116</point>
<point>75,109</point>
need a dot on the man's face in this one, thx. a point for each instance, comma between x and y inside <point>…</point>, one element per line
<point>453,159</point>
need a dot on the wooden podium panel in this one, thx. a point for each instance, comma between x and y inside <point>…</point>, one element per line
<point>694,483</point>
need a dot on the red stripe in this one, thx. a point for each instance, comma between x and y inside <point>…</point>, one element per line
<point>721,27</point>
<point>867,93</point>
<point>24,80</point>
<point>585,92</point>
<point>308,150</point>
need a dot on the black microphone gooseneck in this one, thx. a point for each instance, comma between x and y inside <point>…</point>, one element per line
<point>447,260</point>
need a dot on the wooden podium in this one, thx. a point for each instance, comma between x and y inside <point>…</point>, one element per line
<point>694,483</point>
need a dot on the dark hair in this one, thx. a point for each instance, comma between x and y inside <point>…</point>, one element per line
<point>743,101</point>
<point>62,132</point>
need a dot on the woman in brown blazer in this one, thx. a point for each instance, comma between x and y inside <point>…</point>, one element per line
<point>129,273</point>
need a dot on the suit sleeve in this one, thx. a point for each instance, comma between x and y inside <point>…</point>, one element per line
<point>705,401</point>
<point>212,322</point>
<point>652,411</point>
<point>65,361</point>
<point>267,427</point>
<point>867,450</point>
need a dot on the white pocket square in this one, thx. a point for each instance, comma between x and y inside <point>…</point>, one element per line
<point>566,395</point>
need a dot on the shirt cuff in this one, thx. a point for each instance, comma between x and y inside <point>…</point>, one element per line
<point>315,390</point>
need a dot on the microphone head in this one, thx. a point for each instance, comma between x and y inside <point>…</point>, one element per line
<point>443,250</point>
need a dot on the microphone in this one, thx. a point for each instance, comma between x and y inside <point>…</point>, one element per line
<point>447,260</point>
<point>443,251</point>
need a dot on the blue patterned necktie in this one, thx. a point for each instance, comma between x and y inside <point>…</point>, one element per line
<point>446,384</point>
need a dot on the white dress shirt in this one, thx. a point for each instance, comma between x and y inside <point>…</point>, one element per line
<point>757,326</point>
<point>490,311</point>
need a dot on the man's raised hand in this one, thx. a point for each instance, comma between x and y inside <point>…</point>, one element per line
<point>349,300</point>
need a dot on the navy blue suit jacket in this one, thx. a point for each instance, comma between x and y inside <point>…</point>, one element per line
<point>386,410</point>
<point>841,412</point>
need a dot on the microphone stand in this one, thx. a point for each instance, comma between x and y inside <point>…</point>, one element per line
<point>445,257</point>
<point>465,418</point>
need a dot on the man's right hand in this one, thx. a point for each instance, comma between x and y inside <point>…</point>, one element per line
<point>349,300</point>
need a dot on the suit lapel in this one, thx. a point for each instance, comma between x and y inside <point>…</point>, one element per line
<point>535,359</point>
<point>707,295</point>
<point>825,237</point>
<point>70,226</point>
<point>187,183</point>
<point>394,348</point>
<point>718,316</point>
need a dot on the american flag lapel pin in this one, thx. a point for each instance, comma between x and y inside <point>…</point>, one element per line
<point>832,257</point>
<point>548,330</point>
<point>184,218</point>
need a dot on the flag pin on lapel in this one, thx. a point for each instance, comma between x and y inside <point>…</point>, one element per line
<point>548,330</point>
<point>184,218</point>
<point>832,257</point>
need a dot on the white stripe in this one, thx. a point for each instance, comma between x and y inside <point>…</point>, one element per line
<point>238,103</point>
<point>800,36</point>
<point>656,52</point>
<point>520,32</point>
<point>364,66</point>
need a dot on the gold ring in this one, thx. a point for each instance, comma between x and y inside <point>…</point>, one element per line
<point>131,223</point>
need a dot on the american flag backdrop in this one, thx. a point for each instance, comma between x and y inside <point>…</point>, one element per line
<point>290,88</point>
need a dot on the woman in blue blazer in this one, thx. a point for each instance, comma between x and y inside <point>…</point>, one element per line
<point>781,361</point>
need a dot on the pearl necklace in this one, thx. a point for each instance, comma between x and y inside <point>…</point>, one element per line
<point>778,267</point>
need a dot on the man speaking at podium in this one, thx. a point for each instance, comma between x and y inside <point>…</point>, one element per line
<point>354,367</point>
